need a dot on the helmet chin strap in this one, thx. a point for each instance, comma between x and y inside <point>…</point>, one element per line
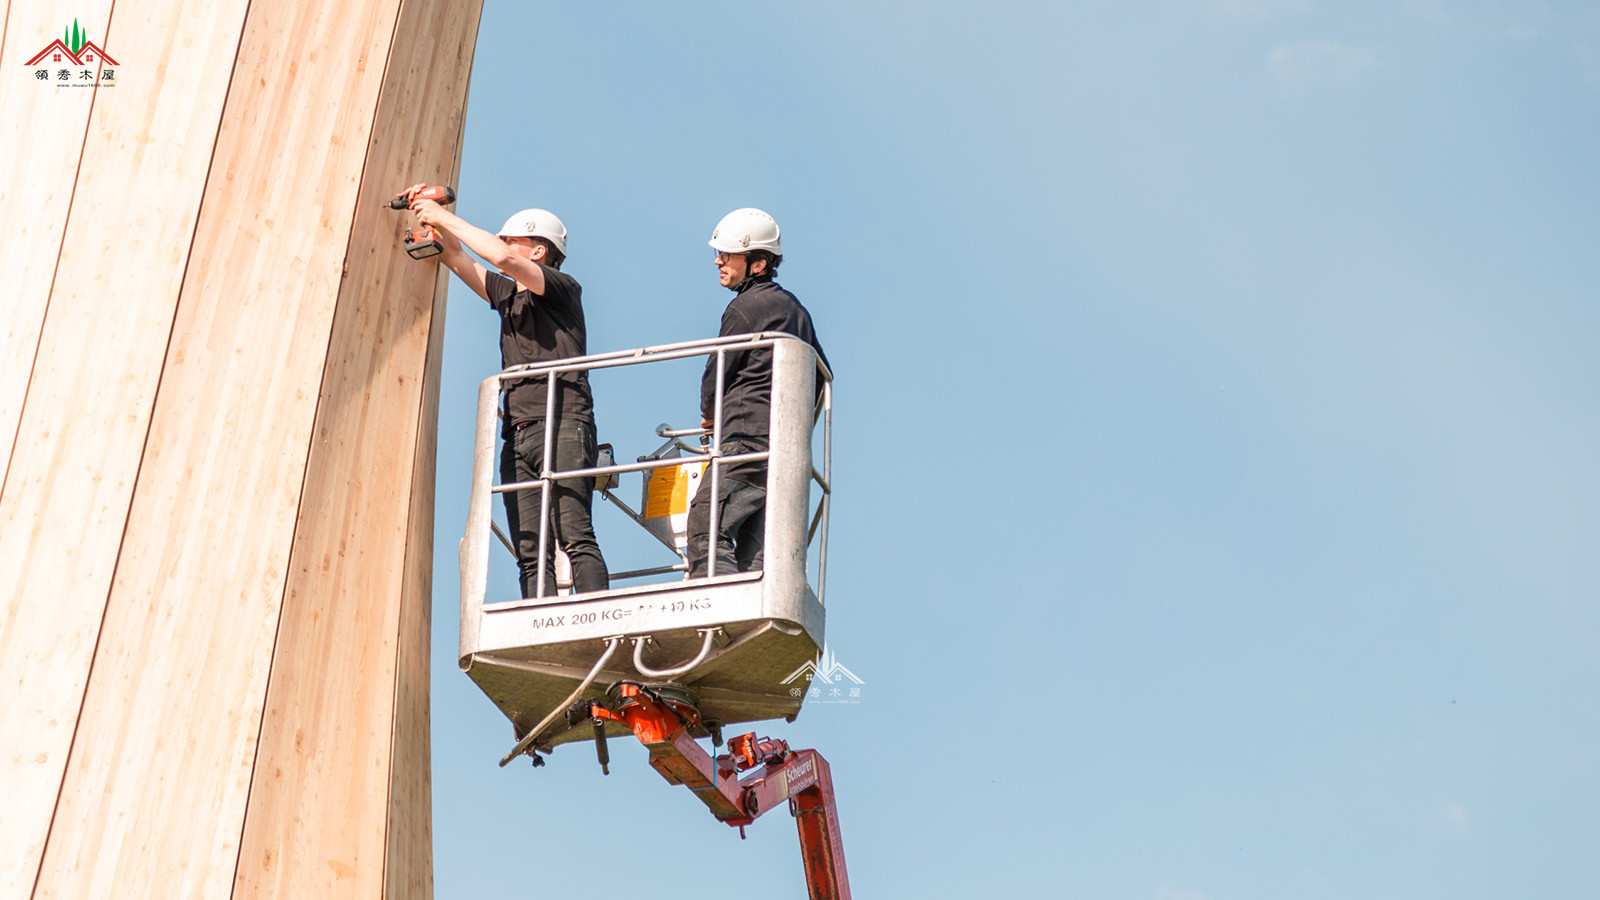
<point>749,277</point>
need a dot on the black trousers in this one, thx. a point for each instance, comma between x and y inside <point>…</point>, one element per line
<point>571,529</point>
<point>741,520</point>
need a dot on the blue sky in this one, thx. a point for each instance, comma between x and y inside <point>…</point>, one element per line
<point>1216,512</point>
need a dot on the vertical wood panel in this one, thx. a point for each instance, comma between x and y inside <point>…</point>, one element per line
<point>158,788</point>
<point>342,742</point>
<point>40,148</point>
<point>409,850</point>
<point>255,715</point>
<point>68,488</point>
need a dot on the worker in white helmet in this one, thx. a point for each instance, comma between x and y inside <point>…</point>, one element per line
<point>541,319</point>
<point>748,252</point>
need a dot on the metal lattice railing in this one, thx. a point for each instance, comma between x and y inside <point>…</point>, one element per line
<point>800,403</point>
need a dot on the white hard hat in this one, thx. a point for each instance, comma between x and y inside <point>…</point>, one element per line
<point>744,230</point>
<point>539,223</point>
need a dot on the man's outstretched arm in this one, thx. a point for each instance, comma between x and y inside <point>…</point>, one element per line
<point>493,250</point>
<point>460,262</point>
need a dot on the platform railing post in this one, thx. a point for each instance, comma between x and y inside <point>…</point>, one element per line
<point>712,520</point>
<point>474,551</point>
<point>789,475</point>
<point>827,477</point>
<point>545,470</point>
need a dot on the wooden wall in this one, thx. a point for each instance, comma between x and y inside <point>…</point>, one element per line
<point>218,394</point>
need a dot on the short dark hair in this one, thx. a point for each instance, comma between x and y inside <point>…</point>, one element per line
<point>552,257</point>
<point>773,259</point>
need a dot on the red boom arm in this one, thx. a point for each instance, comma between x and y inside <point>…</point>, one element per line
<point>776,774</point>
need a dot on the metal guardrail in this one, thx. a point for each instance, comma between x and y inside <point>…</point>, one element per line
<point>789,449</point>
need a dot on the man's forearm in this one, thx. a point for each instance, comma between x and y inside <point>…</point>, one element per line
<point>465,268</point>
<point>493,250</point>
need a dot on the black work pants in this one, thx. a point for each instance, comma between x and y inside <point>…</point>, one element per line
<point>570,527</point>
<point>741,520</point>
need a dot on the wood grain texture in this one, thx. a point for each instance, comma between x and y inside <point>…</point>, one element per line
<point>186,652</point>
<point>408,854</point>
<point>343,745</point>
<point>409,851</point>
<point>219,512</point>
<point>40,148</point>
<point>93,381</point>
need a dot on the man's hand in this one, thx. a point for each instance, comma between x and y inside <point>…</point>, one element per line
<point>430,213</point>
<point>427,212</point>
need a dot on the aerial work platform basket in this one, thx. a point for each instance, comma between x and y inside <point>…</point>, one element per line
<point>731,644</point>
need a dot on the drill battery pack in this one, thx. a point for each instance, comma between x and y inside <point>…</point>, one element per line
<point>422,243</point>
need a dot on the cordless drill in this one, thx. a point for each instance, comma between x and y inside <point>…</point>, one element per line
<point>422,242</point>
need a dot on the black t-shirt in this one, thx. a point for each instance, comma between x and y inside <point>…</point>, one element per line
<point>541,329</point>
<point>761,305</point>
